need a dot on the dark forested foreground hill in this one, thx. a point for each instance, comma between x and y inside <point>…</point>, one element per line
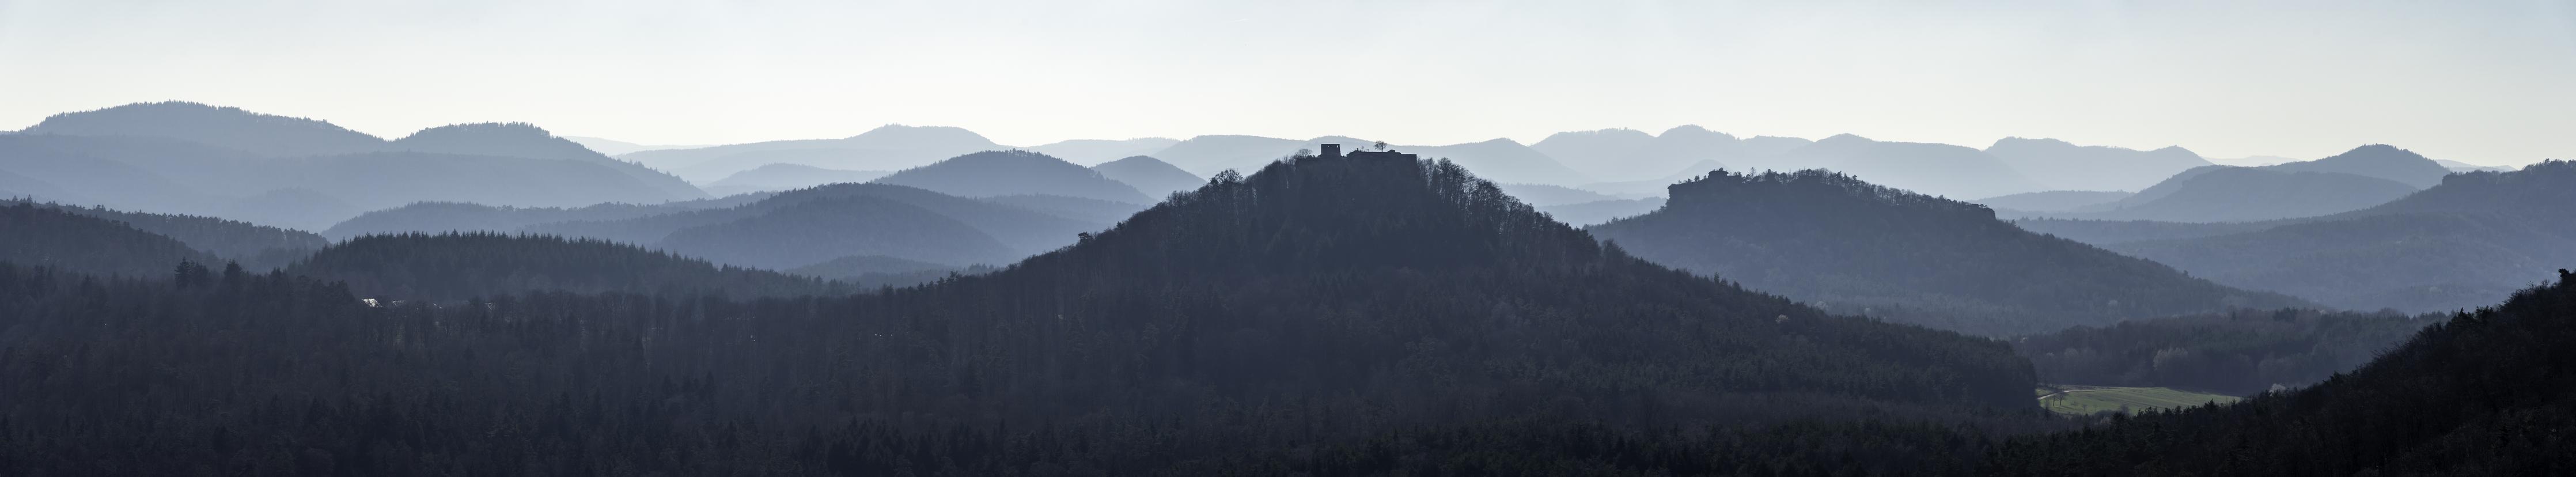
<point>1851,246</point>
<point>2484,393</point>
<point>1326,315</point>
<point>454,266</point>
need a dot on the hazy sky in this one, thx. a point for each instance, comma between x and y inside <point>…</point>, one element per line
<point>2484,82</point>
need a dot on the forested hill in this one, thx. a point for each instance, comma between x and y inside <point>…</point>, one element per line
<point>529,141</point>
<point>2377,160</point>
<point>2485,393</point>
<point>223,127</point>
<point>1850,246</point>
<point>256,246</point>
<point>1151,176</point>
<point>808,226</point>
<point>2239,194</point>
<point>44,236</point>
<point>461,266</point>
<point>1315,306</point>
<point>1435,276</point>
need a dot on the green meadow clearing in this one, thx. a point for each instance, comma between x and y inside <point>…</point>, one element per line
<point>2083,400</point>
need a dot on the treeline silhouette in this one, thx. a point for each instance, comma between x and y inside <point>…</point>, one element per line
<point>1327,314</point>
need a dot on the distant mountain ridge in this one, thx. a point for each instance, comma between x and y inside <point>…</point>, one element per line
<point>1624,155</point>
<point>1599,153</point>
<point>807,226</point>
<point>999,173</point>
<point>614,147</point>
<point>889,147</point>
<point>529,141</point>
<point>2242,194</point>
<point>2377,160</point>
<point>780,177</point>
<point>2064,166</point>
<point>1543,195</point>
<point>1153,177</point>
<point>2472,239</point>
<point>222,127</point>
<point>1934,169</point>
<point>2053,201</point>
<point>2363,177</point>
<point>309,174</point>
<point>1098,151</point>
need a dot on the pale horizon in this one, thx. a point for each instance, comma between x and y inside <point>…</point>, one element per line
<point>2480,84</point>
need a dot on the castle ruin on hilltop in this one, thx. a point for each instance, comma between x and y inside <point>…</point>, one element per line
<point>1334,151</point>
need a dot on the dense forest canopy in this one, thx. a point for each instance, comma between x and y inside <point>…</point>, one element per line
<point>519,304</point>
<point>1328,302</point>
<point>2481,393</point>
<point>2240,352</point>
